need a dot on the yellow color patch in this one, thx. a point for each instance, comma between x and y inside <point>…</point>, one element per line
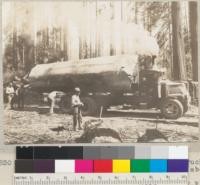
<point>121,166</point>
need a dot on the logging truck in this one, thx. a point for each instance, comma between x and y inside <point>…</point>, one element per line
<point>110,81</point>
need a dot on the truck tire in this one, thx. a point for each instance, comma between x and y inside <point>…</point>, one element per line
<point>90,106</point>
<point>172,109</point>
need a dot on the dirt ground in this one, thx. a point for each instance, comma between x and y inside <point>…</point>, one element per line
<point>32,126</point>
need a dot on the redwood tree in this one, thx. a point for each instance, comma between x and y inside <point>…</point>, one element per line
<point>178,69</point>
<point>193,35</point>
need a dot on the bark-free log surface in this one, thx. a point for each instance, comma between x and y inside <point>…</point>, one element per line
<point>101,74</point>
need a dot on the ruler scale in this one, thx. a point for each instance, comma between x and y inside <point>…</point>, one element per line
<point>101,179</point>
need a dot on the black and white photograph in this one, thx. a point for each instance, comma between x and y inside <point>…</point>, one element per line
<point>91,71</point>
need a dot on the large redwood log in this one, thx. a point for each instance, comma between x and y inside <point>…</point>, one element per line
<point>103,74</point>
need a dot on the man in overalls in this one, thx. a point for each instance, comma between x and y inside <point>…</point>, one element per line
<point>76,107</point>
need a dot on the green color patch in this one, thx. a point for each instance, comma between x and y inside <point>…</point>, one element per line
<point>140,165</point>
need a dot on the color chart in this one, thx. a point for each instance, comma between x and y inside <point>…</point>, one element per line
<point>102,159</point>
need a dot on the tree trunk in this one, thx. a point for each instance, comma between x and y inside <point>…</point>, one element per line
<point>136,12</point>
<point>65,50</point>
<point>178,72</point>
<point>170,41</point>
<point>14,41</point>
<point>193,35</point>
<point>15,48</point>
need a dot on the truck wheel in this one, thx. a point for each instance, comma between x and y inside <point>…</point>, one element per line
<point>172,109</point>
<point>65,104</point>
<point>90,106</point>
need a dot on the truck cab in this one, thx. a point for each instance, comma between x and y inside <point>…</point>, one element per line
<point>171,97</point>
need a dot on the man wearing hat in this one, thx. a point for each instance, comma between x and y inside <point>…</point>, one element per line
<point>76,107</point>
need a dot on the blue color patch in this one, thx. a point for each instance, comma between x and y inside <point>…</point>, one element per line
<point>158,165</point>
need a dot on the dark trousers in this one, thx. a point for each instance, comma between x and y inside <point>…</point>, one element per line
<point>77,117</point>
<point>20,101</point>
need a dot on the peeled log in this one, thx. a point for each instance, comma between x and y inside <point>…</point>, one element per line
<point>103,74</point>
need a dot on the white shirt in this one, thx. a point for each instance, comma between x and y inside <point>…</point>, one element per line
<point>52,95</point>
<point>75,100</point>
<point>10,90</point>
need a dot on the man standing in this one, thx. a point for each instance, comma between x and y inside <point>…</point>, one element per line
<point>10,93</point>
<point>76,106</point>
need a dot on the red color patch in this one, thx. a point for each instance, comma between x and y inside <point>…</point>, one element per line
<point>103,166</point>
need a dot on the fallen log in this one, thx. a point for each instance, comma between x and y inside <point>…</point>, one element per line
<point>103,74</point>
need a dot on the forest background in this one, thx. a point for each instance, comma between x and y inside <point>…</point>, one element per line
<point>40,32</point>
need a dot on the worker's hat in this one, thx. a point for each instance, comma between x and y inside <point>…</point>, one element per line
<point>77,89</point>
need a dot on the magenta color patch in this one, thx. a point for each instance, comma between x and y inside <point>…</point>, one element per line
<point>83,166</point>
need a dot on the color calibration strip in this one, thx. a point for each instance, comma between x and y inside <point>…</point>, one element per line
<point>102,152</point>
<point>101,166</point>
<point>92,159</point>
